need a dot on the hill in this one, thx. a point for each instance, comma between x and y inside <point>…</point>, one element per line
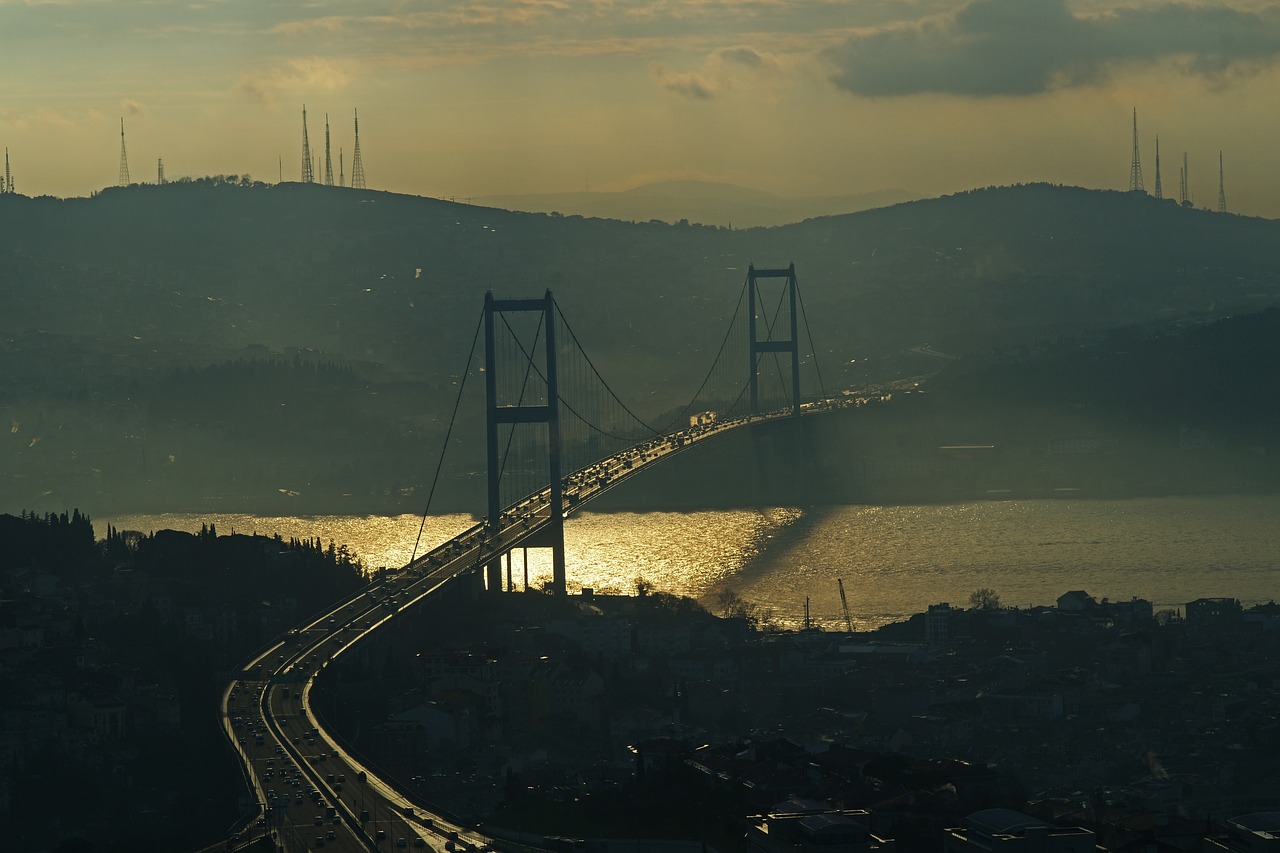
<point>1181,409</point>
<point>348,315</point>
<point>702,202</point>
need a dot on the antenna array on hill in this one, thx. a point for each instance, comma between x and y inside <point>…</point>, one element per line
<point>1135,167</point>
<point>1159,189</point>
<point>328,157</point>
<point>124,161</point>
<point>308,174</point>
<point>1222,191</point>
<point>1184,186</point>
<point>357,165</point>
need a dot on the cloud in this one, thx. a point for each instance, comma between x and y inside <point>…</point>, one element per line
<point>723,70</point>
<point>297,76</point>
<point>308,26</point>
<point>746,56</point>
<point>1025,47</point>
<point>690,84</point>
<point>464,14</point>
<point>132,108</point>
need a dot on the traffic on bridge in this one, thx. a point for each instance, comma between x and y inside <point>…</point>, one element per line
<point>306,791</point>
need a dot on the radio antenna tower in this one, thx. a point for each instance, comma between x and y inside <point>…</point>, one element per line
<point>1184,185</point>
<point>357,165</point>
<point>342,178</point>
<point>7,187</point>
<point>328,157</point>
<point>1222,192</point>
<point>124,161</point>
<point>1135,168</point>
<point>1159,189</point>
<point>159,170</point>
<point>308,176</point>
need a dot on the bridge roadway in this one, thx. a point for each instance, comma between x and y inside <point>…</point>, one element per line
<point>309,793</point>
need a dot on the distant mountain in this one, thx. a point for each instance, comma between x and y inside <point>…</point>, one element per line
<point>702,202</point>
<point>204,343</point>
<point>1191,408</point>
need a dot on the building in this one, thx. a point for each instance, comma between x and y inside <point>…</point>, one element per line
<point>1204,611</point>
<point>816,830</point>
<point>939,623</point>
<point>1251,833</point>
<point>1005,829</point>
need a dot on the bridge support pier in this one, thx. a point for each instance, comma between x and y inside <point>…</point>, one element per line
<point>758,347</point>
<point>553,534</point>
<point>791,347</point>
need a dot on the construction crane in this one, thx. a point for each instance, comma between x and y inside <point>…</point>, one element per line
<point>844,604</point>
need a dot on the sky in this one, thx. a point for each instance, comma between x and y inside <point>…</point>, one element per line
<point>468,98</point>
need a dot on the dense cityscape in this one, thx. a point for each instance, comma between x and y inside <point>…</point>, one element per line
<point>607,716</point>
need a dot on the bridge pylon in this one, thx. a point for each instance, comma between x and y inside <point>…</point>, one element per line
<point>758,347</point>
<point>553,534</point>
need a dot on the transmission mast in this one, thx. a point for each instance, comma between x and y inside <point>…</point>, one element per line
<point>308,175</point>
<point>1135,167</point>
<point>1184,186</point>
<point>1222,191</point>
<point>342,178</point>
<point>124,161</point>
<point>357,165</point>
<point>160,170</point>
<point>1159,189</point>
<point>8,178</point>
<point>328,158</point>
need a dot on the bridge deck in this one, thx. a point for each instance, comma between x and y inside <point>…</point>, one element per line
<point>266,709</point>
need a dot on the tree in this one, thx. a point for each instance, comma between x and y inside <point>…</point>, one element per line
<point>734,606</point>
<point>984,598</point>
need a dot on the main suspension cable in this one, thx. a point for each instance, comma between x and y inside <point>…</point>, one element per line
<point>804,312</point>
<point>591,364</point>
<point>448,433</point>
<point>723,343</point>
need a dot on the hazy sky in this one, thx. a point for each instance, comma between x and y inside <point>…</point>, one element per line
<point>463,98</point>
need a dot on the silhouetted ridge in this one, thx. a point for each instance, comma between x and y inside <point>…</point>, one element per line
<point>107,296</point>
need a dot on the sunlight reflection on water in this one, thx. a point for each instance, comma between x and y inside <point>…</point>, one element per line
<point>894,560</point>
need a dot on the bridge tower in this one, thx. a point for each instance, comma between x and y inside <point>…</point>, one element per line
<point>552,535</point>
<point>757,346</point>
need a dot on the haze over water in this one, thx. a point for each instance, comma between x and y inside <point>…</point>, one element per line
<point>894,560</point>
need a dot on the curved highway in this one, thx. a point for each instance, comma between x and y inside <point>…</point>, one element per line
<point>309,793</point>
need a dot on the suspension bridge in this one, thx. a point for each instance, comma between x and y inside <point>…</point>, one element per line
<point>557,437</point>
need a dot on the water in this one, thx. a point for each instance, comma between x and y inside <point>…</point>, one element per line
<point>894,560</point>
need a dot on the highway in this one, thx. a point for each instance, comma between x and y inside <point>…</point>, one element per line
<point>307,791</point>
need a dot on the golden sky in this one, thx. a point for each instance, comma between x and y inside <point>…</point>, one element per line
<point>465,98</point>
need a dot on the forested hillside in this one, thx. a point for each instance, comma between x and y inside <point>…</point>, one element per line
<point>221,344</point>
